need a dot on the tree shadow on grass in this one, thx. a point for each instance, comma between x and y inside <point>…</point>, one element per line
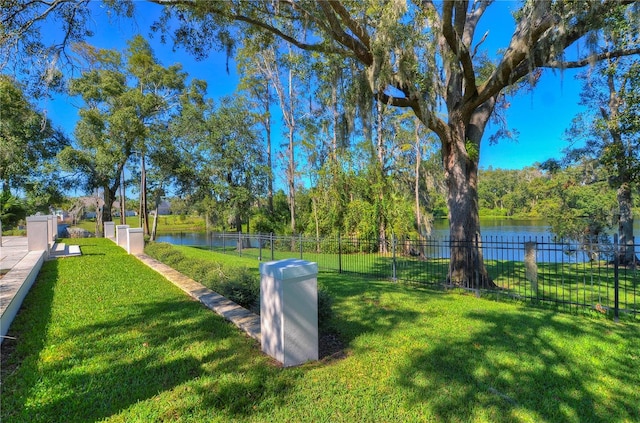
<point>156,355</point>
<point>518,367</point>
<point>93,375</point>
<point>127,354</point>
<point>364,306</point>
<point>134,357</point>
<point>34,316</point>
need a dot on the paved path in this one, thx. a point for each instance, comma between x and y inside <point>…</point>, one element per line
<point>12,250</point>
<point>19,268</point>
<point>244,319</point>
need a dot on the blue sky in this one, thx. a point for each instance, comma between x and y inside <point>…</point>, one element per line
<point>540,116</point>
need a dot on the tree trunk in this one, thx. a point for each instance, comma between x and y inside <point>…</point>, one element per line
<point>267,127</point>
<point>155,225</point>
<point>314,202</point>
<point>291,183</point>
<point>99,218</point>
<point>291,157</point>
<point>380,155</point>
<point>335,115</point>
<point>460,154</point>
<point>626,253</point>
<point>123,207</point>
<point>416,186</point>
<point>144,208</point>
<point>238,222</point>
<point>154,229</point>
<point>266,122</point>
<point>108,196</point>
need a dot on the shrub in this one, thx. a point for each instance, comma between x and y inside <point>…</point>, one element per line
<point>238,284</point>
<point>165,253</point>
<point>243,289</point>
<point>325,304</point>
<point>155,249</point>
<point>75,232</point>
<point>198,269</point>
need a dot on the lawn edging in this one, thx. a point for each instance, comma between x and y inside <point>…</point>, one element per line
<point>16,285</point>
<point>241,317</point>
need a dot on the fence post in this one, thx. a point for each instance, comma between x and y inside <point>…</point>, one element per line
<point>339,254</point>
<point>224,248</point>
<point>476,260</point>
<point>240,243</point>
<point>259,247</point>
<point>271,242</point>
<point>300,241</point>
<point>616,278</point>
<point>530,266</point>
<point>393,249</point>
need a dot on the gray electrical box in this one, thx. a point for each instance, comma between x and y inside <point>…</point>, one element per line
<point>289,310</point>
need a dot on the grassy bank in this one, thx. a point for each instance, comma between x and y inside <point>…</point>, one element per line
<point>101,337</point>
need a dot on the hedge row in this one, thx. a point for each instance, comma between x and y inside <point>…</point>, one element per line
<point>236,283</point>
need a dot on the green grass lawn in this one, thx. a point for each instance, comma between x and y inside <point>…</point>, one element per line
<point>102,338</point>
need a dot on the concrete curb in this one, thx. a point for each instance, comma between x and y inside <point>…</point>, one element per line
<point>15,287</point>
<point>241,317</point>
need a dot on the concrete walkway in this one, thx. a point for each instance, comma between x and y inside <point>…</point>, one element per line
<point>12,250</point>
<point>244,319</point>
<point>21,267</point>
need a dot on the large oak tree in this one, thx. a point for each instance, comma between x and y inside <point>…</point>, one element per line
<point>422,55</point>
<point>426,56</point>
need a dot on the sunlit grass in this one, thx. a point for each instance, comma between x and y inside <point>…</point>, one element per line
<point>103,338</point>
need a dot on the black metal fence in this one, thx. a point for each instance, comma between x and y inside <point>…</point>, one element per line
<point>540,269</point>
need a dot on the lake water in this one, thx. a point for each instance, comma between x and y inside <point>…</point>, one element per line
<point>505,228</point>
<point>500,237</point>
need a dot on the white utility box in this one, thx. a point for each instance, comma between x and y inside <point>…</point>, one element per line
<point>53,229</point>
<point>135,241</point>
<point>121,235</point>
<point>110,230</point>
<point>38,228</point>
<point>289,310</point>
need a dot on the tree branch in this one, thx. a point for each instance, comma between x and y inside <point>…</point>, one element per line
<point>526,35</point>
<point>352,24</point>
<point>472,22</point>
<point>320,47</point>
<point>395,101</point>
<point>338,34</point>
<point>461,17</point>
<point>275,31</point>
<point>529,48</point>
<point>429,119</point>
<point>454,42</point>
<point>29,23</point>
<point>590,59</point>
